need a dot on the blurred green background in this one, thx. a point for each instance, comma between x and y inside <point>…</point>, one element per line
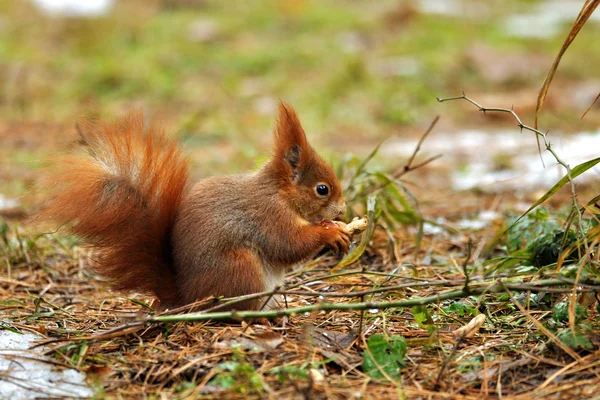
<point>213,71</point>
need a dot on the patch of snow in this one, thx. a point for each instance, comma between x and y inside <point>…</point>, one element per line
<point>434,229</point>
<point>482,220</point>
<point>443,7</point>
<point>27,373</point>
<point>546,20</point>
<point>471,224</point>
<point>474,155</point>
<point>489,215</point>
<point>6,203</point>
<point>74,8</point>
<point>452,8</point>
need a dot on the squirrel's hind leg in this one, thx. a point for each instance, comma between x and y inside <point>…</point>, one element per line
<point>242,273</point>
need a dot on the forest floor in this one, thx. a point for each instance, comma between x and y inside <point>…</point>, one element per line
<point>438,256</point>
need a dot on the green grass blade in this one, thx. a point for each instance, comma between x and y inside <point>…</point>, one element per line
<point>575,172</point>
<point>366,236</point>
<point>363,164</point>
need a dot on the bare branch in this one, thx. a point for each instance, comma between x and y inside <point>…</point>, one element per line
<point>544,137</point>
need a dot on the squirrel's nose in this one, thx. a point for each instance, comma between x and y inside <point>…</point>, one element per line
<point>342,209</point>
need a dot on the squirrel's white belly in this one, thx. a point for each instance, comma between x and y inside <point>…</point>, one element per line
<point>273,277</point>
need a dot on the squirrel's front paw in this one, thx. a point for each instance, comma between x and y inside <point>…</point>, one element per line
<point>336,237</point>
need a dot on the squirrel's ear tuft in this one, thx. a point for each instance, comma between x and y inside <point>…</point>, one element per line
<point>291,145</point>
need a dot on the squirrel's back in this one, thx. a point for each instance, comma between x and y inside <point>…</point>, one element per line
<point>122,198</point>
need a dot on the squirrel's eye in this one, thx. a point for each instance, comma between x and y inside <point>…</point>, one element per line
<point>322,190</point>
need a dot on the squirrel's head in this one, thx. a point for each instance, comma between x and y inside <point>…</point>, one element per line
<point>307,181</point>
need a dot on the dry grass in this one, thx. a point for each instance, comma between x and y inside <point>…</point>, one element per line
<point>318,355</point>
<point>519,351</point>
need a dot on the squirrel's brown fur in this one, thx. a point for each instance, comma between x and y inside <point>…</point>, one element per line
<point>129,198</point>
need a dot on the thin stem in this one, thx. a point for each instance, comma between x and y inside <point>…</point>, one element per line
<point>408,167</point>
<point>544,137</point>
<point>476,289</point>
<point>421,140</point>
<point>497,286</point>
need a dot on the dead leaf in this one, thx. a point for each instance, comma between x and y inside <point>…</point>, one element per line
<point>331,339</point>
<point>585,13</point>
<point>471,328</point>
<point>493,371</point>
<point>269,340</point>
<point>98,372</point>
<point>591,105</point>
<point>261,342</point>
<point>342,358</point>
<point>316,376</point>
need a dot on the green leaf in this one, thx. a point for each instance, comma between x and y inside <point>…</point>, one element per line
<point>461,309</point>
<point>5,327</point>
<point>228,365</point>
<point>224,380</point>
<point>291,372</point>
<point>529,228</point>
<point>139,303</point>
<point>546,249</point>
<point>574,341</point>
<point>423,318</point>
<point>560,312</point>
<point>384,354</point>
<point>362,165</point>
<point>469,364</point>
<point>366,236</point>
<point>392,191</point>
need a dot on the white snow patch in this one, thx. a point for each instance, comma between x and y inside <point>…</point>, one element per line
<point>453,8</point>
<point>6,203</point>
<point>26,373</point>
<point>474,155</point>
<point>471,224</point>
<point>434,229</point>
<point>482,220</point>
<point>74,8</point>
<point>546,20</point>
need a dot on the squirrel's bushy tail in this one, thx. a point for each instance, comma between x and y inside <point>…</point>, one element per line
<point>122,199</point>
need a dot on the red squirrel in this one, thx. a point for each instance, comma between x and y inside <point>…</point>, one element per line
<point>130,199</point>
